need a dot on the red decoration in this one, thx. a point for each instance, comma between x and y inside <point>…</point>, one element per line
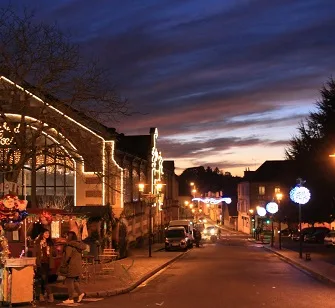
<point>45,218</point>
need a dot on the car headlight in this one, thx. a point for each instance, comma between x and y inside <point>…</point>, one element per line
<point>212,231</point>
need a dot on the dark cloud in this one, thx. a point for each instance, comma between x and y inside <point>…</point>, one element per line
<point>210,144</point>
<point>198,68</point>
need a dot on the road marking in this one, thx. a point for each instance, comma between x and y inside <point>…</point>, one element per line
<point>144,283</point>
<point>69,305</point>
<point>92,299</point>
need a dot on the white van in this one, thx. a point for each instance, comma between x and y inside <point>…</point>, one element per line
<point>188,225</point>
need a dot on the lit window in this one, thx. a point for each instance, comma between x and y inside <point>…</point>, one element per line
<point>55,229</point>
<point>261,190</point>
<point>277,190</point>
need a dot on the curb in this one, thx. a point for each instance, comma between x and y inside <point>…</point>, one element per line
<point>108,293</point>
<point>301,267</point>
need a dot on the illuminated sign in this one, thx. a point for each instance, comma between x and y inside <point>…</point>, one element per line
<point>6,134</point>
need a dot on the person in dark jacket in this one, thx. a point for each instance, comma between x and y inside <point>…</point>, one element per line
<point>197,237</point>
<point>72,259</point>
<point>44,252</point>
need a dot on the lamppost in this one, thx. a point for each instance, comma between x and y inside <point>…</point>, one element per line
<point>300,195</point>
<point>150,199</point>
<point>272,208</point>
<point>279,197</point>
<point>252,220</point>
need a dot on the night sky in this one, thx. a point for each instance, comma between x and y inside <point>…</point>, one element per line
<point>225,81</point>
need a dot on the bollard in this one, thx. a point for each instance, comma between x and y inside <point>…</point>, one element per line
<point>308,256</point>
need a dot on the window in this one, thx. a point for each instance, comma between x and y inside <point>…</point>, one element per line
<point>261,190</point>
<point>277,190</point>
<point>55,229</point>
<point>54,176</point>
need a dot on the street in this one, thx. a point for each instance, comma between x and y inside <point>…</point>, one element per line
<point>231,273</point>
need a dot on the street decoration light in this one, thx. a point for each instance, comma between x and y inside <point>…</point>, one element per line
<point>300,195</point>
<point>272,207</point>
<point>209,201</point>
<point>261,211</point>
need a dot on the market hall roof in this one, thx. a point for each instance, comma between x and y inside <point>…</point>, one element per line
<point>88,122</point>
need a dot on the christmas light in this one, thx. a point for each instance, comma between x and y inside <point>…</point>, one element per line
<point>300,195</point>
<point>272,207</point>
<point>157,156</point>
<point>209,201</point>
<point>261,211</point>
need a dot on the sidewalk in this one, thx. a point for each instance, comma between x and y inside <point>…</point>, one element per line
<point>315,267</point>
<point>127,275</point>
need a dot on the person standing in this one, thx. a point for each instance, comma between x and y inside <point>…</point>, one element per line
<point>72,261</point>
<point>44,253</point>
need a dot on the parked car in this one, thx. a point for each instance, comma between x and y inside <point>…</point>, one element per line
<point>286,232</point>
<point>176,239</point>
<point>329,239</point>
<point>316,235</point>
<point>188,226</point>
<point>295,235</point>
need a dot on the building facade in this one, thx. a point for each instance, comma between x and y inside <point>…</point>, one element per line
<point>56,157</point>
<point>257,188</point>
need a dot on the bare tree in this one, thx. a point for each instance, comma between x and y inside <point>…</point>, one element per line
<point>39,59</point>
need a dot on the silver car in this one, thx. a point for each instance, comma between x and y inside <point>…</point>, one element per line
<point>176,239</point>
<point>329,239</point>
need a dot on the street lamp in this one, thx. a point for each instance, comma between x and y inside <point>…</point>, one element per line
<point>279,197</point>
<point>272,208</point>
<point>150,199</point>
<point>300,195</point>
<point>252,219</point>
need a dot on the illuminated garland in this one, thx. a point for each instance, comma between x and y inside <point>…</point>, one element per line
<point>213,200</point>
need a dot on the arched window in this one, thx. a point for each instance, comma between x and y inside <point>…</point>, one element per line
<point>55,175</point>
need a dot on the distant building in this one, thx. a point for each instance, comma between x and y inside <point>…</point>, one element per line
<point>259,187</point>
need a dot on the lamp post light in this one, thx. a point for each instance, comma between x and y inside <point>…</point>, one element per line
<point>300,195</point>
<point>251,212</point>
<point>279,197</point>
<point>150,199</point>
<point>272,208</point>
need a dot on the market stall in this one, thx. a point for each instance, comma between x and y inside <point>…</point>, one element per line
<point>16,274</point>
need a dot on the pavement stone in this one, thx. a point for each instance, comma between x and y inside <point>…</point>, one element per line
<point>317,268</point>
<point>128,273</point>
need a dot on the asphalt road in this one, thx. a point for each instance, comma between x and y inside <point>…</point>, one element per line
<point>231,273</point>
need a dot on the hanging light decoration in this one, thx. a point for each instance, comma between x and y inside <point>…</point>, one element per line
<point>272,207</point>
<point>261,211</point>
<point>300,195</point>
